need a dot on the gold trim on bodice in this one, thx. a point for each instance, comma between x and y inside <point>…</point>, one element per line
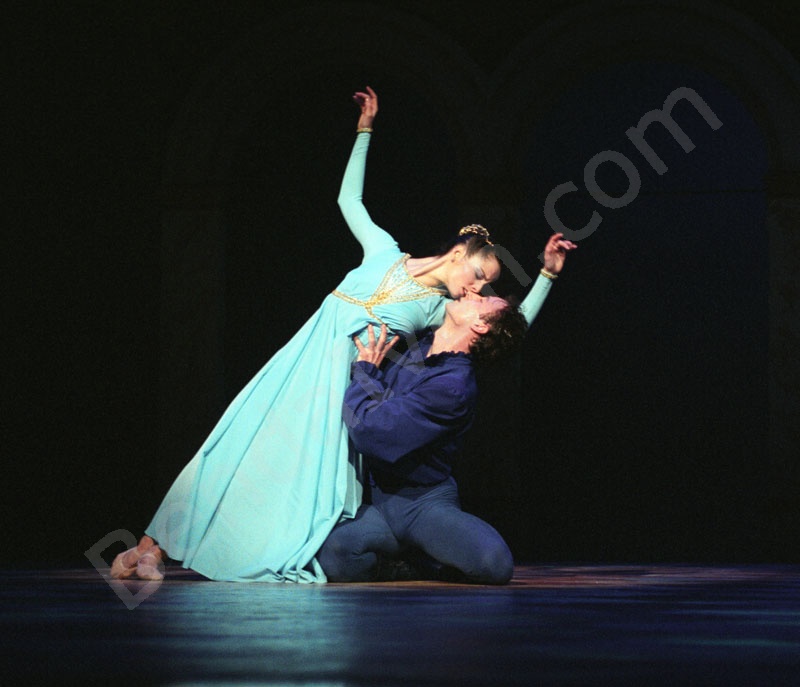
<point>397,286</point>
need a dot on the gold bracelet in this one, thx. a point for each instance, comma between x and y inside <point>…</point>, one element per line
<point>547,274</point>
<point>364,130</point>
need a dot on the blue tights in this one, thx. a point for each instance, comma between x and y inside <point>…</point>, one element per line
<point>427,518</point>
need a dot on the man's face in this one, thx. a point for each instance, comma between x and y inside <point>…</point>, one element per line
<point>472,308</point>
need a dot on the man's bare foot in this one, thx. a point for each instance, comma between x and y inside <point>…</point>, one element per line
<point>125,563</point>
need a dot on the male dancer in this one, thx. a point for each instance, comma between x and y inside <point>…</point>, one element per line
<point>409,421</point>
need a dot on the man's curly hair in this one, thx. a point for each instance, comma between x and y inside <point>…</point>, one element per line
<point>505,336</point>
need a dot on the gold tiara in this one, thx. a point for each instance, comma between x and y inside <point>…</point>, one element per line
<point>477,230</point>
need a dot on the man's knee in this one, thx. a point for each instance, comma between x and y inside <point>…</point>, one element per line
<point>496,565</point>
<point>334,557</point>
<point>350,553</point>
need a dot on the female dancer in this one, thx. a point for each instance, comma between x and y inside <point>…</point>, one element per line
<point>267,486</point>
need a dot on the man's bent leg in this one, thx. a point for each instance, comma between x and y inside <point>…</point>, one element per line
<point>435,523</point>
<point>350,553</point>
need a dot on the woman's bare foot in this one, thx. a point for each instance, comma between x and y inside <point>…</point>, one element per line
<point>125,563</point>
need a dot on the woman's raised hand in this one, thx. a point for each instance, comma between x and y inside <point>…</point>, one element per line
<point>555,252</point>
<point>368,102</point>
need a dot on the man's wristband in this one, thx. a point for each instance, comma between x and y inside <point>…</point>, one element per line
<point>547,274</point>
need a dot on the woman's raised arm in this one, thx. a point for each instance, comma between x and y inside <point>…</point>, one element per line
<point>371,237</point>
<point>555,252</point>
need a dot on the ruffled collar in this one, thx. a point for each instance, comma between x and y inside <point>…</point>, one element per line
<point>424,345</point>
<point>439,358</point>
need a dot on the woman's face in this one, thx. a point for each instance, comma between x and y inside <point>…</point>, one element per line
<point>470,274</point>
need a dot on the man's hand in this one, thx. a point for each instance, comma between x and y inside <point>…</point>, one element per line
<point>375,351</point>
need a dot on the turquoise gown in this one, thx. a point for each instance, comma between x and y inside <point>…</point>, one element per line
<point>265,489</point>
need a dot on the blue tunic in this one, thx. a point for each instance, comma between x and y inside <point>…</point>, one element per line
<point>409,419</point>
<point>272,479</point>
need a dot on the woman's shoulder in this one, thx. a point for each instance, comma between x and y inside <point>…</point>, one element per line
<point>387,252</point>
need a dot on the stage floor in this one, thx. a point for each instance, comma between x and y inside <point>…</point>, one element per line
<point>553,625</point>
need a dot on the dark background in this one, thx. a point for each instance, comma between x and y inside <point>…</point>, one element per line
<point>633,428</point>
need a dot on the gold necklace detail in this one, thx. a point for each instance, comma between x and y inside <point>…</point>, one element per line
<point>390,290</point>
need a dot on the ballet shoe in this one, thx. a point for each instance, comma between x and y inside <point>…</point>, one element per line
<point>150,566</point>
<point>119,571</point>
